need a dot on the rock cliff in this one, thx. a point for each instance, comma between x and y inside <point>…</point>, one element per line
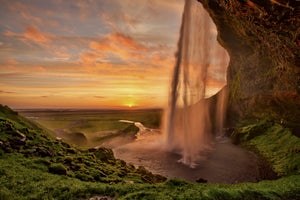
<point>263,40</point>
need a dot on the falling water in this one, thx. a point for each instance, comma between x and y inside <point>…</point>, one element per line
<point>199,59</point>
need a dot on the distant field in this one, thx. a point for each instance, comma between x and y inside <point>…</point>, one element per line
<point>94,124</point>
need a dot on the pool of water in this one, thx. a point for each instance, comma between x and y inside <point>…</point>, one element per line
<point>224,163</point>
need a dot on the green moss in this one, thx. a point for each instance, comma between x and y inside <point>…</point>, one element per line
<point>234,88</point>
<point>61,158</point>
<point>281,148</point>
<point>274,142</point>
<point>20,181</point>
<point>130,131</point>
<point>247,132</point>
<point>25,172</point>
<point>58,168</point>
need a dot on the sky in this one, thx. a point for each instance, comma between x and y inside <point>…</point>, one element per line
<point>88,53</point>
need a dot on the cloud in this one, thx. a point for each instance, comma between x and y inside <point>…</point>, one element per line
<point>47,43</point>
<point>28,17</point>
<point>117,47</point>
<point>127,41</point>
<point>6,92</point>
<point>100,97</point>
<point>11,62</point>
<point>119,20</point>
<point>32,34</point>
<point>61,52</point>
<point>88,58</point>
<point>112,47</point>
<point>123,46</point>
<point>37,14</point>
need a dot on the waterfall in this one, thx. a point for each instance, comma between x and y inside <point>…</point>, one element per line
<point>189,128</point>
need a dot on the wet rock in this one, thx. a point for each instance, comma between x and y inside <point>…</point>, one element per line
<point>68,160</point>
<point>263,43</point>
<point>201,180</point>
<point>17,143</point>
<point>148,177</point>
<point>43,152</point>
<point>71,150</point>
<point>94,149</point>
<point>75,167</point>
<point>76,138</point>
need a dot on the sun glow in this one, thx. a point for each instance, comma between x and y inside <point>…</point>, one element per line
<point>130,104</point>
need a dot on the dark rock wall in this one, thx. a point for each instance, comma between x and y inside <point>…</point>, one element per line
<point>263,40</point>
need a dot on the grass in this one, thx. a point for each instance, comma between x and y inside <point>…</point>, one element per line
<point>274,142</point>
<point>91,121</point>
<point>20,136</point>
<point>45,168</point>
<point>24,178</point>
<point>96,125</point>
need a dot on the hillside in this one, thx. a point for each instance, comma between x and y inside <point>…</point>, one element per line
<point>34,165</point>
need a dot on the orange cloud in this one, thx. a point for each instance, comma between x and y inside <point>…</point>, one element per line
<point>88,59</point>
<point>128,49</point>
<point>121,45</point>
<point>62,52</point>
<point>11,62</point>
<point>127,42</point>
<point>32,34</point>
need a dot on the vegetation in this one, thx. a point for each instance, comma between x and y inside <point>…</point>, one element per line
<point>21,137</point>
<point>96,126</point>
<point>274,142</point>
<point>93,121</point>
<point>234,89</point>
<point>33,165</point>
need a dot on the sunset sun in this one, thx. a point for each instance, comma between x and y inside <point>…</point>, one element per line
<point>130,104</point>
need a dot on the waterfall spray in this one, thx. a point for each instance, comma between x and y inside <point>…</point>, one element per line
<point>189,127</point>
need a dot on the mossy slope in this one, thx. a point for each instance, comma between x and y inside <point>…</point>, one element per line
<point>21,136</point>
<point>274,142</point>
<point>36,166</point>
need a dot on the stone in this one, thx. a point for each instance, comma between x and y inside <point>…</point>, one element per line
<point>201,180</point>
<point>262,39</point>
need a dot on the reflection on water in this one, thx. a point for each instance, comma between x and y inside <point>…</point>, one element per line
<point>226,163</point>
<point>143,131</point>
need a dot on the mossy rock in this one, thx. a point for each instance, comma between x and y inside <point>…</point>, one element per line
<point>103,154</point>
<point>246,133</point>
<point>58,168</point>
